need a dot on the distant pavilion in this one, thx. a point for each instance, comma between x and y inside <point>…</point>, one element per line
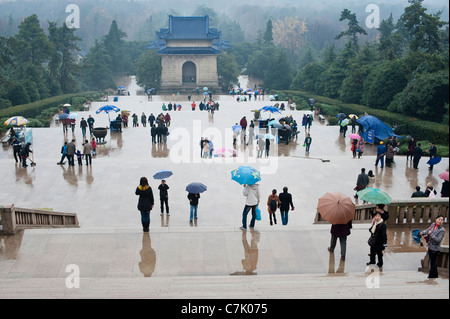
<point>189,50</point>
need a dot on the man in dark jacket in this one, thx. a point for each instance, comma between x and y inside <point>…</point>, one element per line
<point>70,152</point>
<point>164,197</point>
<point>432,152</point>
<point>193,201</point>
<point>418,193</point>
<point>24,153</point>
<point>286,201</point>
<point>417,155</point>
<point>362,181</point>
<point>340,231</point>
<point>153,133</point>
<point>17,146</point>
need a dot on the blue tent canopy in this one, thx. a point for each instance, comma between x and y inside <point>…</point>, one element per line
<point>381,130</point>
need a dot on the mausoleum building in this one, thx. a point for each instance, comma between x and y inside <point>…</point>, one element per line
<point>189,49</point>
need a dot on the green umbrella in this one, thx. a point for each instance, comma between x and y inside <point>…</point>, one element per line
<point>374,196</point>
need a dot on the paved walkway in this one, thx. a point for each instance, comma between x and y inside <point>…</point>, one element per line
<point>109,246</point>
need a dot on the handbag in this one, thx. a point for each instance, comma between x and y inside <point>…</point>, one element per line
<point>371,241</point>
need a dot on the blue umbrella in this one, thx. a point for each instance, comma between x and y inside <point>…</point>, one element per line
<point>107,109</point>
<point>162,174</point>
<point>271,109</point>
<point>196,188</point>
<point>246,175</point>
<point>434,161</point>
<point>415,233</point>
<point>277,125</point>
<point>236,128</point>
<point>266,136</point>
<point>63,116</point>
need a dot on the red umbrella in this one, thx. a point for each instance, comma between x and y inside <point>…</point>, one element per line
<point>336,208</point>
<point>444,176</point>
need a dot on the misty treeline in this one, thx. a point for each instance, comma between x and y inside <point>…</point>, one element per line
<point>402,66</point>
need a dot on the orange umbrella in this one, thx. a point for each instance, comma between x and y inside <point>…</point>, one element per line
<point>336,208</point>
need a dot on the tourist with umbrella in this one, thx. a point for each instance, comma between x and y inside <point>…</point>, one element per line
<point>248,177</point>
<point>339,210</point>
<point>194,190</point>
<point>164,196</point>
<point>163,189</point>
<point>360,146</point>
<point>432,153</point>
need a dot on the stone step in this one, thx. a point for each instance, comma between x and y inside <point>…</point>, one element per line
<point>386,285</point>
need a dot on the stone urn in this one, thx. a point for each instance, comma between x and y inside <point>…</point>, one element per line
<point>100,134</point>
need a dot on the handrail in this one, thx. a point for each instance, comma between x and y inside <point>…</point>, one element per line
<point>411,212</point>
<point>14,218</point>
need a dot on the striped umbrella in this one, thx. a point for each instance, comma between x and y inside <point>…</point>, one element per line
<point>16,121</point>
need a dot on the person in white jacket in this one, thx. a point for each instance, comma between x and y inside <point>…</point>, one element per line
<point>252,201</point>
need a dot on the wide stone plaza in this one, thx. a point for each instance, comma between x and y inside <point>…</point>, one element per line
<point>110,246</point>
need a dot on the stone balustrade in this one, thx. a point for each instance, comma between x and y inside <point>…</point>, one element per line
<point>442,262</point>
<point>412,212</point>
<point>13,218</point>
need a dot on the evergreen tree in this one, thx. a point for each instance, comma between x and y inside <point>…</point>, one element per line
<point>354,29</point>
<point>148,70</point>
<point>97,74</point>
<point>63,66</point>
<point>423,27</point>
<point>268,35</point>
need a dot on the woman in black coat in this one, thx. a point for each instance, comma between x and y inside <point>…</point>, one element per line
<point>379,239</point>
<point>145,203</point>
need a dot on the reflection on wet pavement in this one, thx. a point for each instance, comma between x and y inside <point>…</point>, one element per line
<point>148,256</point>
<point>109,242</point>
<point>250,261</point>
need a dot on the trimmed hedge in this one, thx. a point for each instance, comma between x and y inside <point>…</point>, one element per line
<point>39,112</point>
<point>35,108</point>
<point>421,130</point>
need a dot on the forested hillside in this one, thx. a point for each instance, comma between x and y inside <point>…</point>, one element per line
<point>325,48</point>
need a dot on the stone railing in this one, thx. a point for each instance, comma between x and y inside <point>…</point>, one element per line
<point>412,212</point>
<point>14,218</point>
<point>442,262</point>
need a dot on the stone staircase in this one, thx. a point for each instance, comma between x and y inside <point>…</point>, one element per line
<point>110,261</point>
<point>392,285</point>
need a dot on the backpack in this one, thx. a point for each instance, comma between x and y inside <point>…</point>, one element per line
<point>273,205</point>
<point>432,194</point>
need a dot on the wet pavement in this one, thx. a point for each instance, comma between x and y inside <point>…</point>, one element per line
<point>110,242</point>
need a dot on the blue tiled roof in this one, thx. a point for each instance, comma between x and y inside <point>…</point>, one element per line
<point>185,50</point>
<point>188,28</point>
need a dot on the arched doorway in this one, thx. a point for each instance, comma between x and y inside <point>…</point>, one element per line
<point>189,72</point>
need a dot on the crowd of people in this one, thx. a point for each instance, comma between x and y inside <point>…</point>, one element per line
<point>69,150</point>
